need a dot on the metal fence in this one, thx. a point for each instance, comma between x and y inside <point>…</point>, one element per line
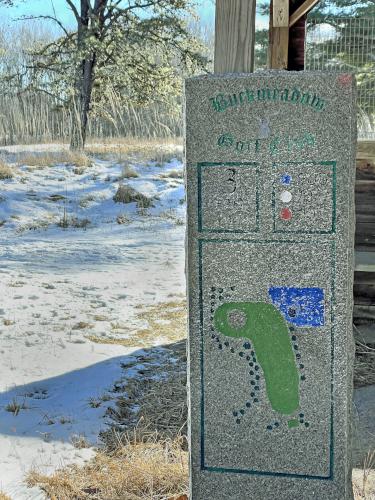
<point>347,44</point>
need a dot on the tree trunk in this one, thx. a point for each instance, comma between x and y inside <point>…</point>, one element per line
<point>85,73</point>
<point>81,105</point>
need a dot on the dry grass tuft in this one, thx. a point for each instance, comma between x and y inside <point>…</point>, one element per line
<point>173,174</point>
<point>128,172</point>
<point>49,159</point>
<point>364,365</point>
<point>5,171</point>
<point>3,496</point>
<point>364,479</point>
<point>134,471</point>
<point>127,194</point>
<point>82,325</point>
<point>166,320</point>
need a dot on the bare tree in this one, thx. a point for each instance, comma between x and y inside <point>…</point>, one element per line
<point>135,46</point>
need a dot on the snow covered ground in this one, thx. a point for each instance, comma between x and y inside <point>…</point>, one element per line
<point>60,285</point>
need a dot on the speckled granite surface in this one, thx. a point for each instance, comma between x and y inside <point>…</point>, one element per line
<point>270,186</point>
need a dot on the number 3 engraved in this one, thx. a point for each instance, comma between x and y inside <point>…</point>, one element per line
<point>231,184</point>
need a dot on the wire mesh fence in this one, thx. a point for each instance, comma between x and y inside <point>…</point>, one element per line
<point>347,44</point>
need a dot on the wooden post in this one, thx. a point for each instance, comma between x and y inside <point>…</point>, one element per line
<point>234,36</point>
<point>286,39</point>
<point>278,35</point>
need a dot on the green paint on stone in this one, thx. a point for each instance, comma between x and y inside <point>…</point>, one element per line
<point>264,325</point>
<point>293,423</point>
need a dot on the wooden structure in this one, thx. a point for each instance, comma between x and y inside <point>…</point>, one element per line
<point>234,36</point>
<point>287,33</point>
<point>364,278</point>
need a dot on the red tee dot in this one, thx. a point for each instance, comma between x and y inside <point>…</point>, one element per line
<point>285,213</point>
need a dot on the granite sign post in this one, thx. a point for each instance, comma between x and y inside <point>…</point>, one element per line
<point>270,160</point>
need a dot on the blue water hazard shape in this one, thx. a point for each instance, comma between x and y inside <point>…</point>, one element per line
<point>299,306</point>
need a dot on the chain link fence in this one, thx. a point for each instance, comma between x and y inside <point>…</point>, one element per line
<point>347,44</point>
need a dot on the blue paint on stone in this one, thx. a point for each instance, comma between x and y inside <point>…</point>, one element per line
<point>300,306</point>
<point>286,179</point>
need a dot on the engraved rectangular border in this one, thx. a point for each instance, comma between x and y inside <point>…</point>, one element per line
<point>200,167</point>
<point>331,164</point>
<point>224,470</point>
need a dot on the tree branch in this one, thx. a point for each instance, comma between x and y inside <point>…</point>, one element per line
<point>52,18</point>
<point>74,10</point>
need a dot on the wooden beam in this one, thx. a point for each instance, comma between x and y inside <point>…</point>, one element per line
<point>301,11</point>
<point>234,36</point>
<point>280,13</point>
<point>278,45</point>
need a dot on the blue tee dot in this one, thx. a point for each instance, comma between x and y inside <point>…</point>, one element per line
<point>286,179</point>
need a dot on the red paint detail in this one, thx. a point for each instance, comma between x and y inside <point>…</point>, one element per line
<point>286,213</point>
<point>345,80</point>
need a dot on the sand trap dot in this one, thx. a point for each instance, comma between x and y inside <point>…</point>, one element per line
<point>236,318</point>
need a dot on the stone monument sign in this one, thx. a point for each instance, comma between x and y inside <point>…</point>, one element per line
<point>270,161</point>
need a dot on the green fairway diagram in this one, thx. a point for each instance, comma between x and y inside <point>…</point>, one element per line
<point>264,326</point>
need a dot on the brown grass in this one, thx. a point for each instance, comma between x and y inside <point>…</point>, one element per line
<point>173,174</point>
<point>82,325</point>
<point>364,479</point>
<point>127,194</point>
<point>49,159</point>
<point>135,471</point>
<point>5,171</point>
<point>364,365</point>
<point>128,172</point>
<point>3,496</point>
<point>159,150</point>
<point>148,459</point>
<point>153,402</point>
<point>166,320</point>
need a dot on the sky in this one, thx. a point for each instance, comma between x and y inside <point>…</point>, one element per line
<point>206,11</point>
